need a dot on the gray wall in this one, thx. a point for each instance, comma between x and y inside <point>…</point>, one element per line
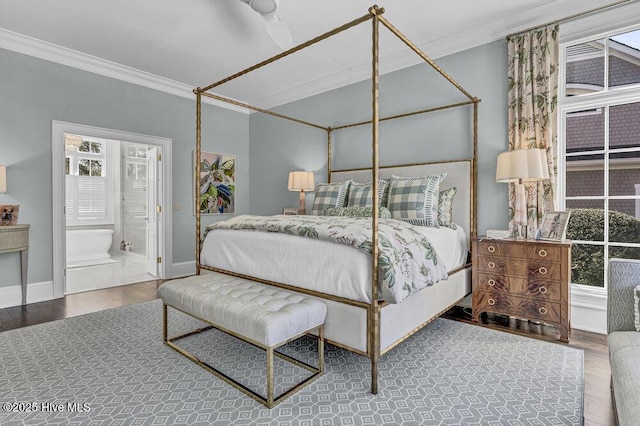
<point>278,146</point>
<point>34,92</point>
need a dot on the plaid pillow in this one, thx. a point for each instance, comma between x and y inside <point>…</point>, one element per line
<point>445,207</point>
<point>360,194</point>
<point>383,213</point>
<point>329,195</point>
<point>415,199</point>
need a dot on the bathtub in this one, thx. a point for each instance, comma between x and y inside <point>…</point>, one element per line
<point>88,244</point>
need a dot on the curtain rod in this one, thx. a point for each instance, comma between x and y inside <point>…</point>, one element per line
<point>571,17</point>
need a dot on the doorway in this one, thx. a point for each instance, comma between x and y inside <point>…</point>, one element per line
<point>110,192</point>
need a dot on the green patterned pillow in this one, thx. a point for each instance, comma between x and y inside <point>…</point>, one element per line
<point>415,199</point>
<point>383,212</point>
<point>445,207</point>
<point>361,194</point>
<point>329,195</point>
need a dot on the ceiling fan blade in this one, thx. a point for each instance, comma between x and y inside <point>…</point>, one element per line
<point>278,31</point>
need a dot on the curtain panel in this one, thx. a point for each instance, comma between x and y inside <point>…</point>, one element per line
<point>533,97</point>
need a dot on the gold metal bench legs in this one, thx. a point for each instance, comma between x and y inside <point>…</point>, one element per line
<point>270,401</point>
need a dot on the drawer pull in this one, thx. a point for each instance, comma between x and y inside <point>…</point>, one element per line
<point>491,302</point>
<point>542,270</point>
<point>491,249</point>
<point>542,253</point>
<point>491,265</point>
<point>542,289</point>
<point>492,282</point>
<point>542,310</point>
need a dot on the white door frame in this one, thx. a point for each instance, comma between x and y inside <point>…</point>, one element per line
<point>154,218</point>
<point>58,129</point>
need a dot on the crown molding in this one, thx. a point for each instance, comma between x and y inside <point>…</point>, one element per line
<point>51,52</point>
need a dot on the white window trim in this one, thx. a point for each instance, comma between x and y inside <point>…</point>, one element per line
<point>601,99</point>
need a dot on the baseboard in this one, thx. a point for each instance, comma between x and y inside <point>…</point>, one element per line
<point>36,292</point>
<point>184,269</point>
<point>589,309</point>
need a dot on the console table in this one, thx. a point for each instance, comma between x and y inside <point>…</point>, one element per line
<point>16,238</point>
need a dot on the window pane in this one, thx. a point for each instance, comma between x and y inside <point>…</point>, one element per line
<point>624,52</point>
<point>587,265</point>
<point>586,223</point>
<point>624,181</point>
<point>623,126</point>
<point>585,182</point>
<point>624,227</point>
<point>83,167</point>
<point>585,130</point>
<point>96,147</point>
<point>96,168</point>
<point>84,147</point>
<point>585,68</point>
<point>142,171</point>
<point>624,252</point>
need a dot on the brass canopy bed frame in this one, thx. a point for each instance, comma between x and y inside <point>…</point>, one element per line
<point>374,308</point>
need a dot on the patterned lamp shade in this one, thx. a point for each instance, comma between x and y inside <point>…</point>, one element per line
<point>3,178</point>
<point>301,181</point>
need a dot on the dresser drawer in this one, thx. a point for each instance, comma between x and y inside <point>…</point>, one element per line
<point>526,307</point>
<point>548,290</point>
<point>528,269</point>
<point>519,251</point>
<point>14,238</point>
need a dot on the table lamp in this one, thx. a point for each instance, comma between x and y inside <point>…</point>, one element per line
<point>517,167</point>
<point>3,179</point>
<point>301,181</point>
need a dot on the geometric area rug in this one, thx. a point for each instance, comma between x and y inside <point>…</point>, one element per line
<point>112,368</point>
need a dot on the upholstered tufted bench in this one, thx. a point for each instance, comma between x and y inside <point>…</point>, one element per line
<point>262,315</point>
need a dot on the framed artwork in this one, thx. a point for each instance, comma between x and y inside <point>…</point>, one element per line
<point>554,226</point>
<point>217,194</point>
<point>9,214</point>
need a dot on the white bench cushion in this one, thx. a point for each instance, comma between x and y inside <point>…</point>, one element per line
<point>259,312</point>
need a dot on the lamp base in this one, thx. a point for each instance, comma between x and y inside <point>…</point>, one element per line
<point>302,208</point>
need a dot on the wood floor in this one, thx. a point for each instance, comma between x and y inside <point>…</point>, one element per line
<point>598,409</point>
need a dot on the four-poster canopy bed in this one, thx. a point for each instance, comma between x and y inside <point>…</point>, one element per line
<point>364,324</point>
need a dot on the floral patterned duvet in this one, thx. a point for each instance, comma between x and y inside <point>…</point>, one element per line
<point>407,261</point>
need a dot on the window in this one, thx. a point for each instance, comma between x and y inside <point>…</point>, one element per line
<point>599,150</point>
<point>87,184</point>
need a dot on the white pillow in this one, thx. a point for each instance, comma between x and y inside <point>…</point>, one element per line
<point>636,307</point>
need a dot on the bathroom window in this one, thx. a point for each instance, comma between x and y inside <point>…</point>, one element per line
<point>89,193</point>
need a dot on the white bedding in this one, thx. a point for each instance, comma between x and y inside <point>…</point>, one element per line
<point>314,264</point>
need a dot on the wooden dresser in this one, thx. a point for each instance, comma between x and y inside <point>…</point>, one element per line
<point>526,279</point>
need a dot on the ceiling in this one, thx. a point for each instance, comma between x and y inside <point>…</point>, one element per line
<point>194,43</point>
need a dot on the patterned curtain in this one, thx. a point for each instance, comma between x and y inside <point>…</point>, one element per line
<point>533,95</point>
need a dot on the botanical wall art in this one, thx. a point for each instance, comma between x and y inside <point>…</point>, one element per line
<point>217,181</point>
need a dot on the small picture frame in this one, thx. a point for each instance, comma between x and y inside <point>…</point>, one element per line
<point>9,214</point>
<point>554,226</point>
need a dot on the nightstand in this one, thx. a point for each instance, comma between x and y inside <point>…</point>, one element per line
<point>526,279</point>
<point>15,238</point>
